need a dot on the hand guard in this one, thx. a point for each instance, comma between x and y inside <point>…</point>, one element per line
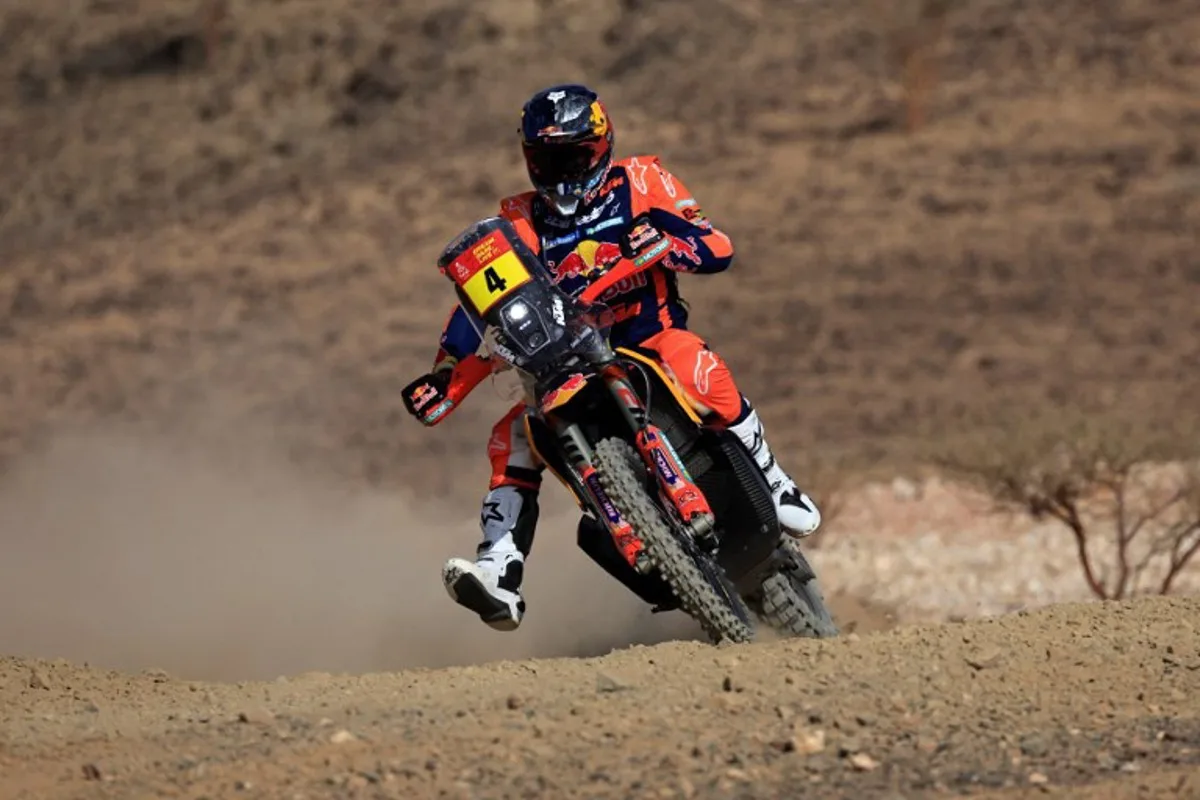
<point>426,398</point>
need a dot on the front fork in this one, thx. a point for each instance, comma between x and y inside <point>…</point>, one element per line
<point>674,481</point>
<point>675,484</point>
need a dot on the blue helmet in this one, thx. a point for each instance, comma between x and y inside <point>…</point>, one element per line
<point>567,140</point>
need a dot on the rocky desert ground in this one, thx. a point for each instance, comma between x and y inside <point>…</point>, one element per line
<point>221,535</point>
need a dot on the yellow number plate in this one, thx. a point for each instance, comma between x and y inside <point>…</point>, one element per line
<point>494,280</point>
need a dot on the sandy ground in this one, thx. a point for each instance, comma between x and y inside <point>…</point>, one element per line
<point>1073,701</point>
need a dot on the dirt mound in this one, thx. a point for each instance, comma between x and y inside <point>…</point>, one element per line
<point>1058,700</point>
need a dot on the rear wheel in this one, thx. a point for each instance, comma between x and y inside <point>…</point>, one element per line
<point>791,601</point>
<point>699,584</point>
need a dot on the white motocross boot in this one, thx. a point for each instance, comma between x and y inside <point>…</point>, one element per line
<point>491,584</point>
<point>798,514</point>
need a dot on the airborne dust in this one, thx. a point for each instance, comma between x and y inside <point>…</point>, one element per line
<point>215,560</point>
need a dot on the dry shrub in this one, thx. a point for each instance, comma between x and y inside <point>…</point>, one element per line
<point>913,31</point>
<point>1128,493</point>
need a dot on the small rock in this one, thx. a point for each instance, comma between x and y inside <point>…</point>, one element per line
<point>985,659</point>
<point>728,701</point>
<point>513,702</point>
<point>1131,766</point>
<point>242,786</point>
<point>848,746</point>
<point>905,490</point>
<point>809,743</point>
<point>727,684</point>
<point>342,737</point>
<point>1033,745</point>
<point>157,675</point>
<point>256,716</point>
<point>863,762</point>
<point>607,683</point>
<point>91,772</point>
<point>36,681</point>
<point>1141,747</point>
<point>736,774</point>
<point>927,745</point>
<point>865,720</point>
<point>1038,779</point>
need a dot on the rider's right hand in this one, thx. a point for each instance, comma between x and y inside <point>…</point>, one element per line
<point>431,397</point>
<point>427,398</point>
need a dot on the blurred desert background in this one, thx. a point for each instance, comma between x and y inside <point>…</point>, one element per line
<point>966,232</point>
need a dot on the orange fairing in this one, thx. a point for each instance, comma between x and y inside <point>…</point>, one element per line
<point>672,387</point>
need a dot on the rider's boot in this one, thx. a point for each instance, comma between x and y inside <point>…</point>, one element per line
<point>798,514</point>
<point>491,584</point>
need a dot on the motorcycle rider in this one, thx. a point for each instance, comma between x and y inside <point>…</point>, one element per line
<point>584,203</point>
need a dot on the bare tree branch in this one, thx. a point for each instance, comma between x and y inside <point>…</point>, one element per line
<point>1115,485</point>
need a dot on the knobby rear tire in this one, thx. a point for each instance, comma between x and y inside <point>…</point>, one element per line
<point>792,603</point>
<point>697,597</point>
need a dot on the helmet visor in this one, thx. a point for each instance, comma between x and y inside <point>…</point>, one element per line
<point>568,162</point>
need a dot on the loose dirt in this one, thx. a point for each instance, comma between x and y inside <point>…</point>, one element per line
<point>1065,700</point>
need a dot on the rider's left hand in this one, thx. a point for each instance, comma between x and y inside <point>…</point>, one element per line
<point>644,241</point>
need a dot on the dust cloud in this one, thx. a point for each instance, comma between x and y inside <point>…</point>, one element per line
<point>132,551</point>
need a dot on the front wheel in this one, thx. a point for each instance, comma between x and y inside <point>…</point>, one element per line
<point>702,589</point>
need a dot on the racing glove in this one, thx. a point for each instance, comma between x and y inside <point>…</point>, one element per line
<point>431,397</point>
<point>642,246</point>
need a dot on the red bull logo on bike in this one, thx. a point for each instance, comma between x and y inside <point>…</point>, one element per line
<point>562,394</point>
<point>589,258</point>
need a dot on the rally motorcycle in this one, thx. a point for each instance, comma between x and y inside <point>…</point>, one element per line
<point>677,512</point>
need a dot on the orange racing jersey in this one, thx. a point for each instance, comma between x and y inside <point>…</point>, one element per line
<point>580,250</point>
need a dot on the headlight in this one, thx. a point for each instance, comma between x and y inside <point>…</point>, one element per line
<point>516,311</point>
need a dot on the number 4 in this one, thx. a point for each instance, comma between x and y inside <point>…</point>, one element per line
<point>493,280</point>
